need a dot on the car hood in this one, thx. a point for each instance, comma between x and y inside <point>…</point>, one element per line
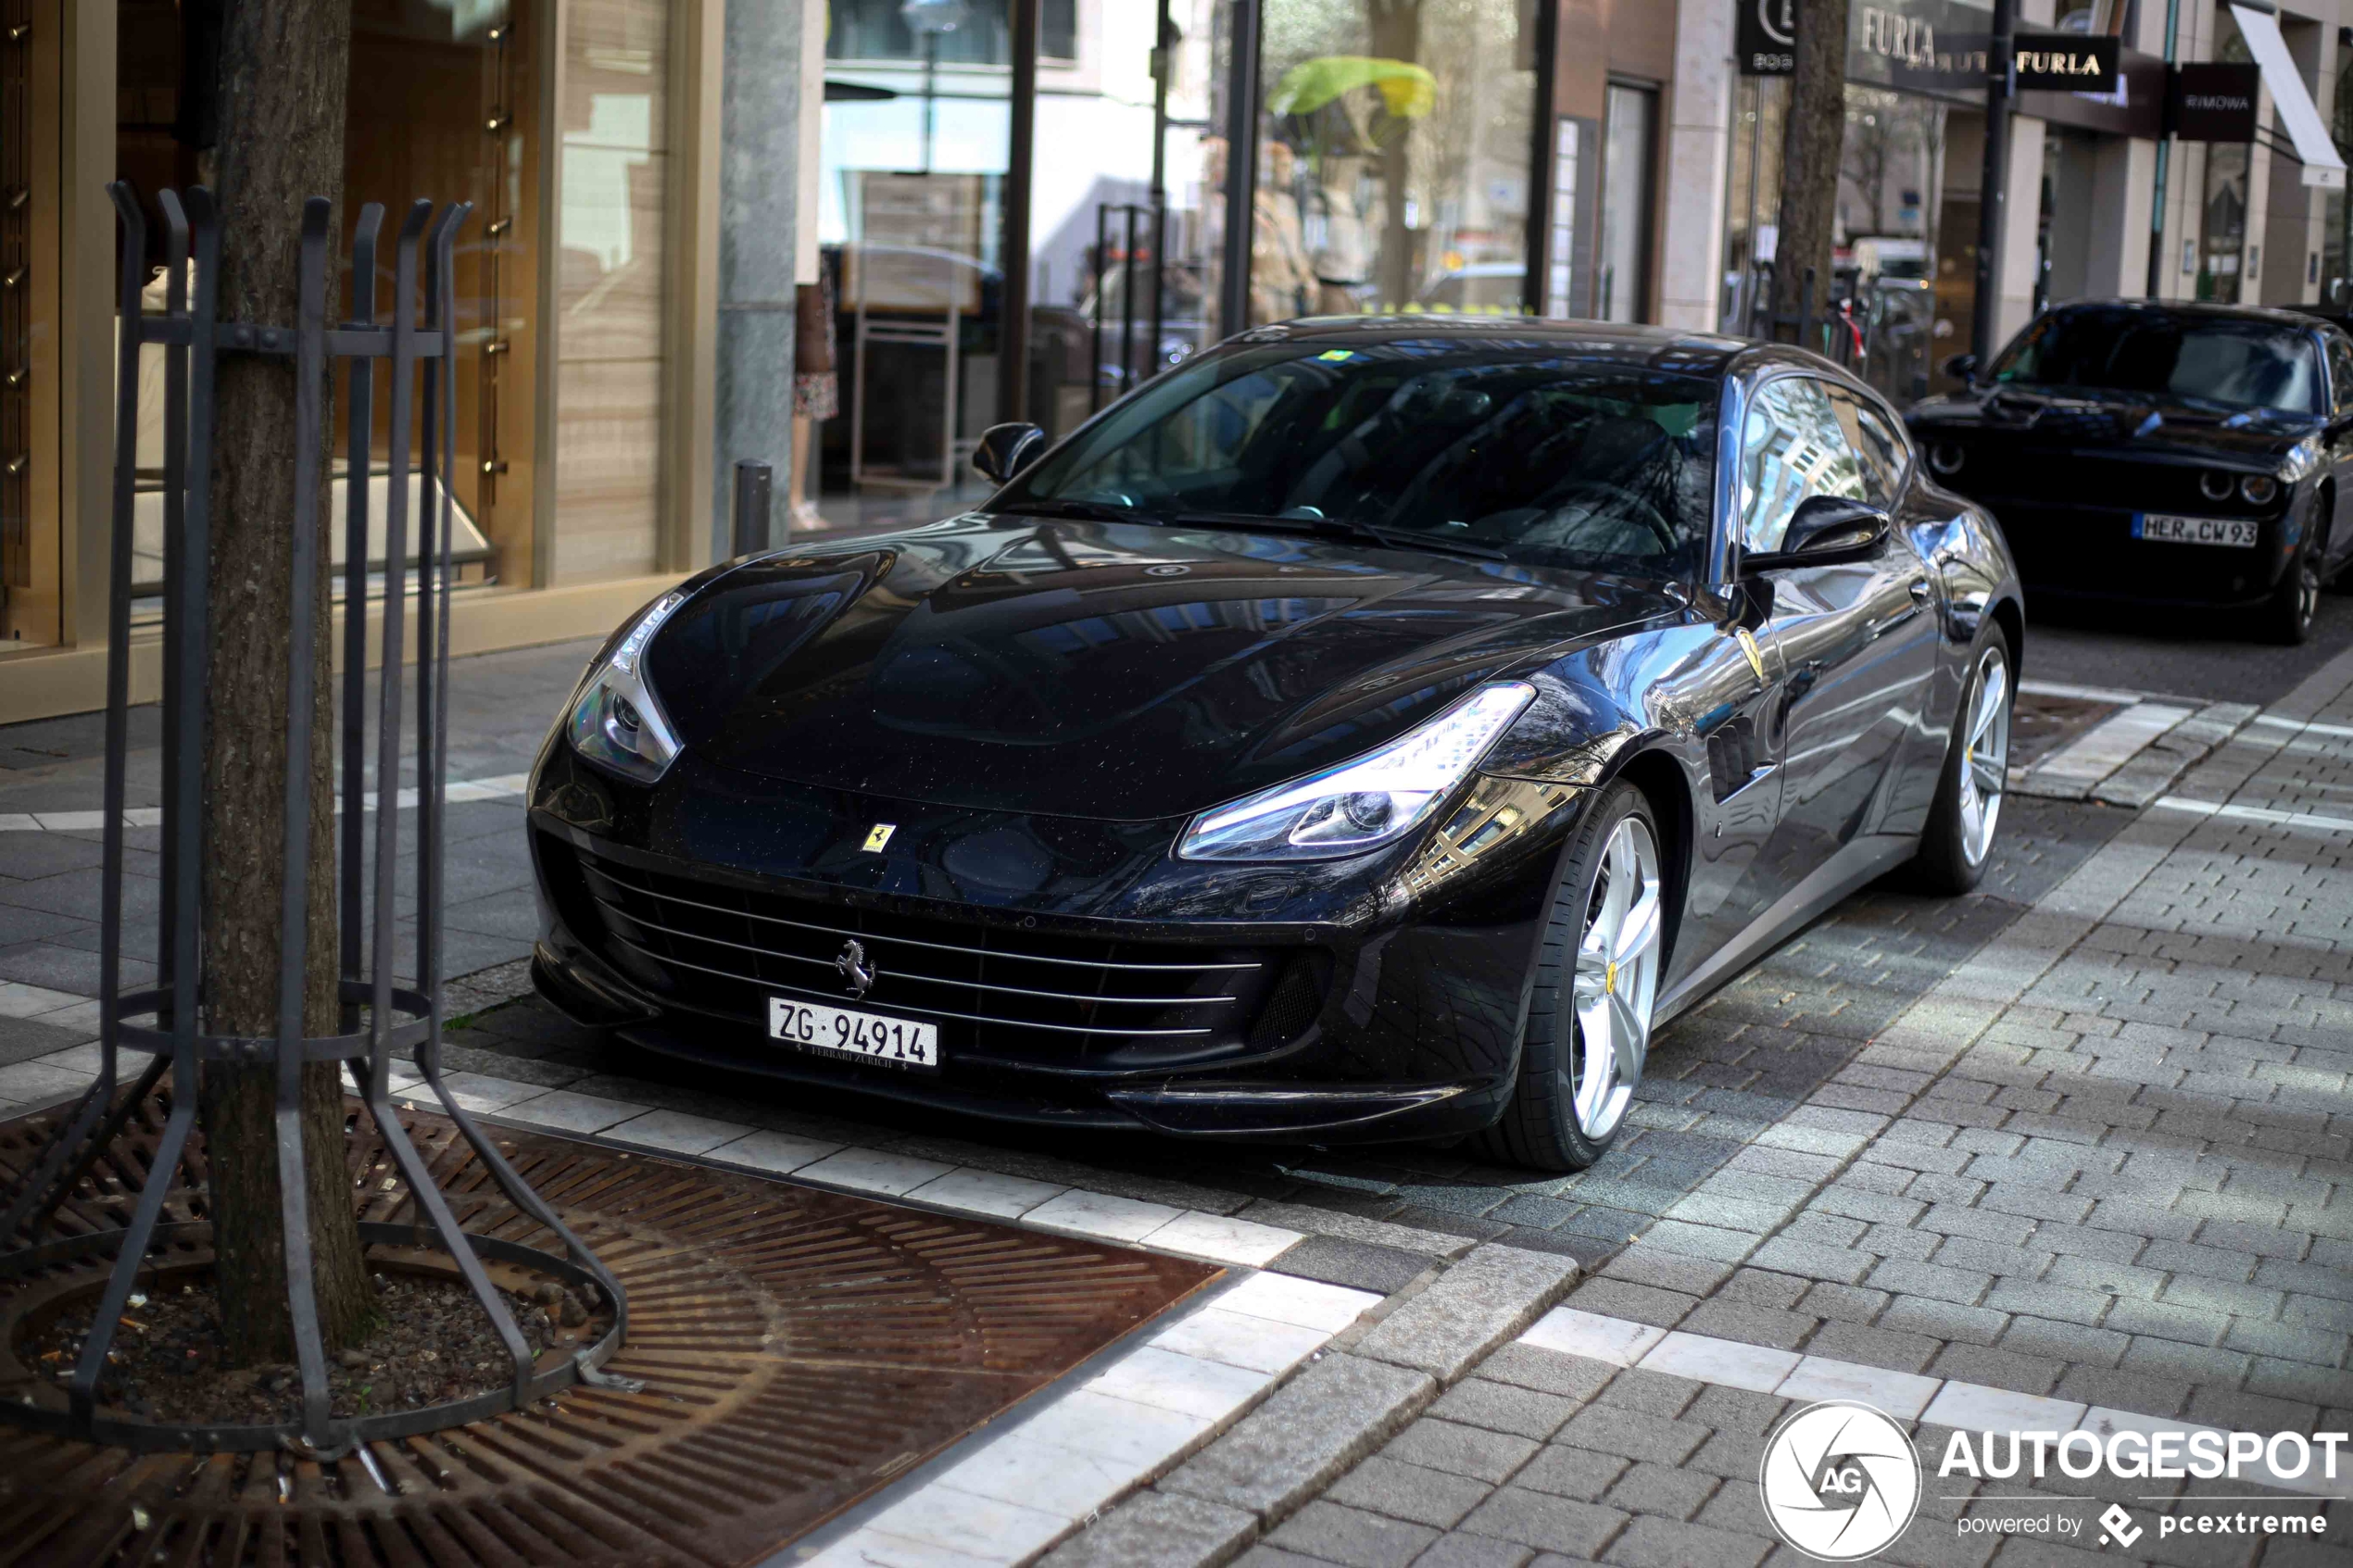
<point>2149,425</point>
<point>1115,670</point>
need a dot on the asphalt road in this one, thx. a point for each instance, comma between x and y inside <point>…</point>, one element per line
<point>2173,653</point>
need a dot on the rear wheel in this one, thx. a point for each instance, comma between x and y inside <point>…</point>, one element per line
<point>1589,1021</point>
<point>2286,617</point>
<point>1960,835</point>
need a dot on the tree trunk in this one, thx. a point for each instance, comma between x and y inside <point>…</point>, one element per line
<point>284,65</point>
<point>1813,136</point>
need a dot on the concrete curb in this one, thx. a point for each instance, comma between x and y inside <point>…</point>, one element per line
<point>1329,1415</point>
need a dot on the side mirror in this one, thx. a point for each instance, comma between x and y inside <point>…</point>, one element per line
<point>1824,530</point>
<point>1004,450</point>
<point>1962,368</point>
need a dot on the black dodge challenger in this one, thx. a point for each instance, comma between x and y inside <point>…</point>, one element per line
<point>1373,729</point>
<point>2166,454</point>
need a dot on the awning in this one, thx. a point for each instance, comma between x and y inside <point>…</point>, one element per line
<point>2291,99</point>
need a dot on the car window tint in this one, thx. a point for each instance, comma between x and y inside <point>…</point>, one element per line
<point>2341,371</point>
<point>1881,450</point>
<point>2230,362</point>
<point>1791,447</point>
<point>1552,460</point>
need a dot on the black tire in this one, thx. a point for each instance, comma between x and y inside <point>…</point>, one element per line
<point>1539,1128</point>
<point>2286,617</point>
<point>1943,863</point>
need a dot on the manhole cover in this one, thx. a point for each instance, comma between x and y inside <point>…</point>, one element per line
<point>799,1348</point>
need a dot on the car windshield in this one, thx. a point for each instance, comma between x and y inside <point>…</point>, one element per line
<point>1521,448</point>
<point>2235,364</point>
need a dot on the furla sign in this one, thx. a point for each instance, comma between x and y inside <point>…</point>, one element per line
<point>2067,62</point>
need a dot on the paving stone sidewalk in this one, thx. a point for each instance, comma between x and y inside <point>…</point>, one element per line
<point>2108,1159</point>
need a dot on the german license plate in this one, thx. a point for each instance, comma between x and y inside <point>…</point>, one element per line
<point>870,1037</point>
<point>2167,529</point>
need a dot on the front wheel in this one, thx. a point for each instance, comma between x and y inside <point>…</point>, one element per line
<point>2287,616</point>
<point>1960,835</point>
<point>1589,1020</point>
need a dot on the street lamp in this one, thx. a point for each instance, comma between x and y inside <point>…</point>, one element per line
<point>927,19</point>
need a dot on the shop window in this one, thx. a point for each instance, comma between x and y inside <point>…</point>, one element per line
<point>31,603</point>
<point>977,33</point>
<point>440,107</point>
<point>612,288</point>
<point>1394,173</point>
<point>1628,141</point>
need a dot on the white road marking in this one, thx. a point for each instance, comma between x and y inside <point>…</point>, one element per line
<point>2256,814</point>
<point>2304,726</point>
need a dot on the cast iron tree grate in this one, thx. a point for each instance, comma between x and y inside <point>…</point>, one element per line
<point>165,1022</point>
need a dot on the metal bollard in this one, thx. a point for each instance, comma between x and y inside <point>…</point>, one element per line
<point>755,489</point>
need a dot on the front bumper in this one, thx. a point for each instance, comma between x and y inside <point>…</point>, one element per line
<point>1361,1017</point>
<point>2085,551</point>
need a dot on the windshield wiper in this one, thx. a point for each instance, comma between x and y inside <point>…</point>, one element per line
<point>1342,527</point>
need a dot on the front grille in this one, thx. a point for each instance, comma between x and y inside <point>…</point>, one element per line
<point>1000,990</point>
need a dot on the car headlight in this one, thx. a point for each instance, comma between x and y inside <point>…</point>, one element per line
<point>616,719</point>
<point>2303,459</point>
<point>2259,488</point>
<point>1946,457</point>
<point>2214,484</point>
<point>1357,806</point>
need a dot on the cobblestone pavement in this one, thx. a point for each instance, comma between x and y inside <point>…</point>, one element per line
<point>2107,1162</point>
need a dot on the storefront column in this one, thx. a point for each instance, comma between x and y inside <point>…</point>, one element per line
<point>2021,256</point>
<point>2123,184</point>
<point>1690,274</point>
<point>759,243</point>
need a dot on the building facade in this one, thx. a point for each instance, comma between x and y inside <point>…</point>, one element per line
<point>2110,195</point>
<point>1108,186</point>
<point>584,132</point>
<point>1026,208</point>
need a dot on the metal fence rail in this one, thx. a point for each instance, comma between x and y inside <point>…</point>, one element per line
<point>377,1016</point>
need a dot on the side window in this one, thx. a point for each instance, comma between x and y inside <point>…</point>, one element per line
<point>1791,447</point>
<point>2340,372</point>
<point>1876,442</point>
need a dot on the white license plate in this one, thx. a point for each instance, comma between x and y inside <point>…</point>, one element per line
<point>870,1036</point>
<point>2166,529</point>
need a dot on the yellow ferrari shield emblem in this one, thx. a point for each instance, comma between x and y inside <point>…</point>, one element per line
<point>1609,980</point>
<point>878,837</point>
<point>1748,646</point>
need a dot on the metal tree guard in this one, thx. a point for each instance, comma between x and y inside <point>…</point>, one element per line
<point>377,1016</point>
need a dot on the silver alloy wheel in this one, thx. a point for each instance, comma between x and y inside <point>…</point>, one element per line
<point>1617,980</point>
<point>2307,585</point>
<point>1985,756</point>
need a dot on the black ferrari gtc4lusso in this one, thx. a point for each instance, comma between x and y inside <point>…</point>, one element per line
<point>1373,729</point>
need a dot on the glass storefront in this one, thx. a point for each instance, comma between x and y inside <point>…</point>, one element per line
<point>1628,150</point>
<point>1392,140</point>
<point>1910,166</point>
<point>442,103</point>
<point>1394,152</point>
<point>915,144</point>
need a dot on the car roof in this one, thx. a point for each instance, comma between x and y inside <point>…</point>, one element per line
<point>1659,348</point>
<point>2194,309</point>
